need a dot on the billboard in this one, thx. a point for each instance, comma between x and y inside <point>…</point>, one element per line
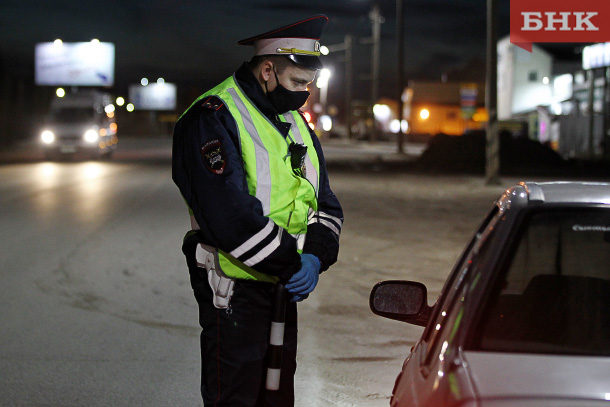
<point>74,64</point>
<point>155,96</point>
<point>596,56</point>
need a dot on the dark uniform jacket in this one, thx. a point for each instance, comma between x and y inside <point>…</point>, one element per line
<point>216,189</point>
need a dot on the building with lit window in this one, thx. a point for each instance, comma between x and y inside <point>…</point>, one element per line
<point>447,107</point>
<point>566,110</point>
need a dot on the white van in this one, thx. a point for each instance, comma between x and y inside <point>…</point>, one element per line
<point>78,123</point>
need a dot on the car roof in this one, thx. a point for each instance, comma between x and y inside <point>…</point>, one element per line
<point>556,192</point>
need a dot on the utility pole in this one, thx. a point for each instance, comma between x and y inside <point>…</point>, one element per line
<point>376,20</point>
<point>492,146</point>
<point>348,83</point>
<point>399,69</point>
<point>590,112</point>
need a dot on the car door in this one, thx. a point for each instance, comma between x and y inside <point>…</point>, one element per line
<point>426,379</point>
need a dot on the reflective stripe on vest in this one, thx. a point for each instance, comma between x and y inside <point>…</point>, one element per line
<point>300,238</point>
<point>263,176</point>
<point>286,198</point>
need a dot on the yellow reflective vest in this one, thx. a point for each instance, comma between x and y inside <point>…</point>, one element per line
<point>288,196</point>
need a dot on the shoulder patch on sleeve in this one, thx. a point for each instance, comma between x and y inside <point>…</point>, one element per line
<point>214,157</point>
<point>212,103</point>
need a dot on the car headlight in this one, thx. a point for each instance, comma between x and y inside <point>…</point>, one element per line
<point>90,136</point>
<point>47,137</point>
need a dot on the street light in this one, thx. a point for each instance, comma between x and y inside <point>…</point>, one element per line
<point>345,46</point>
<point>322,84</point>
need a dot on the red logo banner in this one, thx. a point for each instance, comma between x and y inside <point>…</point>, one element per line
<point>558,21</point>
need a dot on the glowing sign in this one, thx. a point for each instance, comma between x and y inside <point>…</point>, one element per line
<point>156,96</point>
<point>75,64</point>
<point>596,56</point>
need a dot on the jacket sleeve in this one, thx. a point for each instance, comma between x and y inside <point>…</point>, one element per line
<point>324,227</point>
<point>207,168</point>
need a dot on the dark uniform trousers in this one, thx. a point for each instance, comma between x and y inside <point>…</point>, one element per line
<point>235,342</point>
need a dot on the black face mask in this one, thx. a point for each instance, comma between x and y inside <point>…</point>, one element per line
<point>285,100</point>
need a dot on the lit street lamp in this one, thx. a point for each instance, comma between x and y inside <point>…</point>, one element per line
<point>345,46</point>
<point>322,84</point>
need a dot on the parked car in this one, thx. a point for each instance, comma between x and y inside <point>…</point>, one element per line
<point>524,317</point>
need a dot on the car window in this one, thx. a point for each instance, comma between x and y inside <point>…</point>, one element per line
<point>555,295</point>
<point>448,308</point>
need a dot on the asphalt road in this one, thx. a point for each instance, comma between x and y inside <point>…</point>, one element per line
<point>95,304</point>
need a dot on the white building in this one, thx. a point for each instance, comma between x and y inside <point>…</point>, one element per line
<point>524,79</point>
<point>569,111</point>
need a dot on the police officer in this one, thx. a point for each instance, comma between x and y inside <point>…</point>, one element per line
<point>262,211</point>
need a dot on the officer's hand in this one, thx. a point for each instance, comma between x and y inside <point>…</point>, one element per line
<point>298,297</point>
<point>305,280</point>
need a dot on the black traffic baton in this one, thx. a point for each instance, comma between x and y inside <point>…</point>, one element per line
<point>276,337</point>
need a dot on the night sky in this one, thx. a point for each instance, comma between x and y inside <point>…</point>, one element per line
<point>194,42</point>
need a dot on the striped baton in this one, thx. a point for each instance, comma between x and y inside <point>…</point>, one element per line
<point>276,338</point>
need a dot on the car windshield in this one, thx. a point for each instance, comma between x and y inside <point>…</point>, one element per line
<point>555,297</point>
<point>72,115</point>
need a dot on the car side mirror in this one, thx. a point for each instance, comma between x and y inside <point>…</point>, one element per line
<point>405,301</point>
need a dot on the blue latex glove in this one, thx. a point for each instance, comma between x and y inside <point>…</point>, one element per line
<point>304,281</point>
<point>298,297</point>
